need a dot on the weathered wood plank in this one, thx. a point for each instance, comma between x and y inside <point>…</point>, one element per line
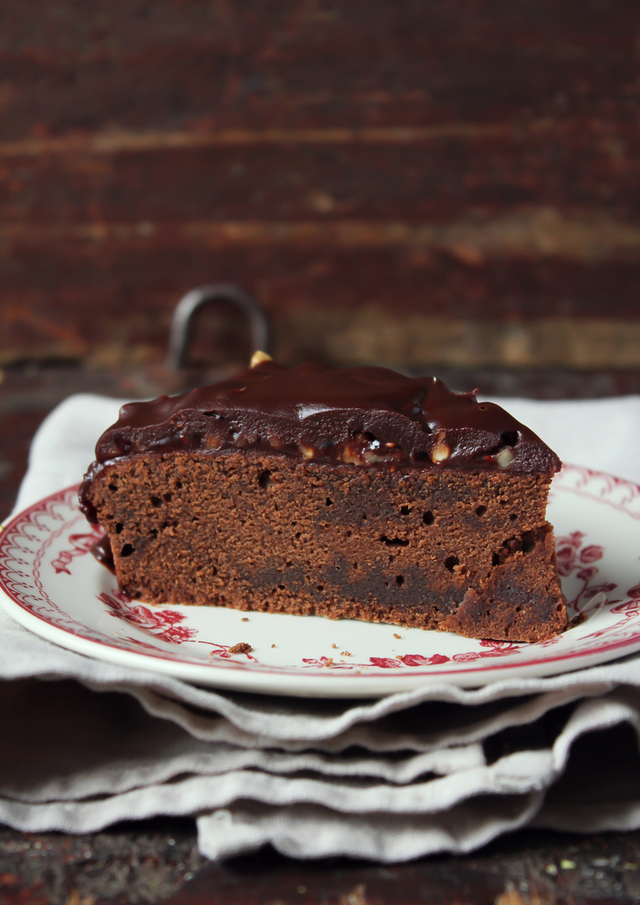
<point>298,64</point>
<point>456,161</point>
<point>110,300</point>
<point>455,281</point>
<point>573,166</point>
<point>537,235</point>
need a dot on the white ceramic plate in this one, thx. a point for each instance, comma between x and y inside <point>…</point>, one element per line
<point>52,585</point>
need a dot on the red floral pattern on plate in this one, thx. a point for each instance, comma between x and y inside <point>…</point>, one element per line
<point>79,545</point>
<point>496,649</point>
<point>572,558</point>
<point>165,625</point>
<point>162,624</point>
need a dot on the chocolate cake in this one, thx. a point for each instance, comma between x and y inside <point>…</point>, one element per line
<point>356,493</point>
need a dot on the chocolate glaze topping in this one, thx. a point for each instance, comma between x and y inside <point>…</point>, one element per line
<point>359,416</point>
<point>103,552</point>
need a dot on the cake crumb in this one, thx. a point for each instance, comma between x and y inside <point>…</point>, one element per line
<point>329,662</point>
<point>345,653</point>
<point>334,646</point>
<point>273,645</point>
<point>244,619</point>
<point>396,635</point>
<point>241,648</point>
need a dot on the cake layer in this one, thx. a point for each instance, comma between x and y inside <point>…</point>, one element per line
<point>438,548</point>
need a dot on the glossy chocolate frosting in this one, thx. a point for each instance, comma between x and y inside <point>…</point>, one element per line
<point>360,416</point>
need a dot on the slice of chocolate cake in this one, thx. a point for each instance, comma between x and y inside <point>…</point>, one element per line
<point>356,493</point>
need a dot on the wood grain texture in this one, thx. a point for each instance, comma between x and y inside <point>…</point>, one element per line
<point>442,161</point>
<point>146,64</point>
<point>414,176</point>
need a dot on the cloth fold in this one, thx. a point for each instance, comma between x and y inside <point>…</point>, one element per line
<point>440,768</point>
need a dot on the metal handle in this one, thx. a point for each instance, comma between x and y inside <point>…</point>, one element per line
<point>219,293</point>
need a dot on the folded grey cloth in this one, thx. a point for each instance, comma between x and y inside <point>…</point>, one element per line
<point>438,768</point>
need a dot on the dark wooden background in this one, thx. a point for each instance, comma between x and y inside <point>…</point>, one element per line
<point>445,182</point>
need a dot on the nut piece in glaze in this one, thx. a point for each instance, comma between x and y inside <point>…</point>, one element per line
<point>258,357</point>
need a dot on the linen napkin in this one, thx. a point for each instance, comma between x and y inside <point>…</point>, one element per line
<point>437,769</point>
